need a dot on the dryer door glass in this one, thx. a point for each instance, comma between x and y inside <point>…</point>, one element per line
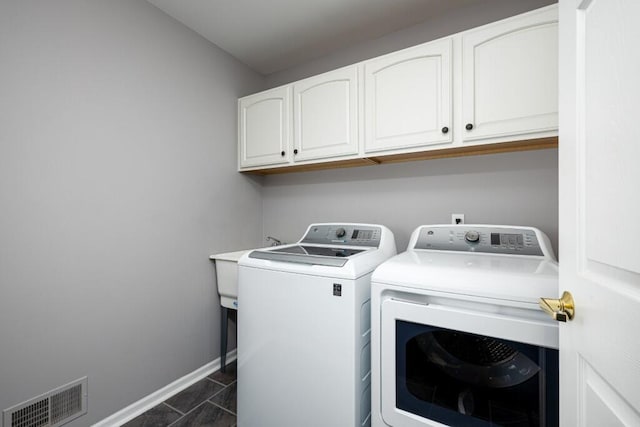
<point>463,379</point>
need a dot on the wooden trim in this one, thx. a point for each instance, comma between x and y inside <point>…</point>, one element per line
<point>474,150</point>
<point>314,166</point>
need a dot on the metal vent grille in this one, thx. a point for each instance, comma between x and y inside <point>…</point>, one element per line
<point>51,409</point>
<point>65,404</point>
<point>34,415</point>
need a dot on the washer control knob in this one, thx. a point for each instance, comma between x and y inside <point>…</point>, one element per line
<point>472,236</point>
<point>340,232</point>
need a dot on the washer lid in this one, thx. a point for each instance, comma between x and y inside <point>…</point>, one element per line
<point>337,250</point>
<point>332,256</point>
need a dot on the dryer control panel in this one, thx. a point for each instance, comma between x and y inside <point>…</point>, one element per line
<point>343,234</point>
<point>473,238</point>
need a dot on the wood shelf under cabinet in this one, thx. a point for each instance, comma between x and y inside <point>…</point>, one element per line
<point>475,150</point>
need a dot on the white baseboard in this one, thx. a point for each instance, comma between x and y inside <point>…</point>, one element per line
<point>159,396</point>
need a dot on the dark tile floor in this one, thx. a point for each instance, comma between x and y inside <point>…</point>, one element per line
<point>211,402</point>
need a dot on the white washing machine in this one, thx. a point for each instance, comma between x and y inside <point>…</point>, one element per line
<point>304,328</point>
<point>458,337</point>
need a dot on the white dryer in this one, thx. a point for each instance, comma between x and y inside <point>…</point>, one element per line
<point>304,328</point>
<point>458,337</point>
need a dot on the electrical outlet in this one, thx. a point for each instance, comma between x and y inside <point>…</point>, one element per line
<point>457,219</point>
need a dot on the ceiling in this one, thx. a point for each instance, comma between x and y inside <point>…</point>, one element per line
<point>273,35</point>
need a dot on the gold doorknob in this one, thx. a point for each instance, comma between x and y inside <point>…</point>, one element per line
<point>559,309</point>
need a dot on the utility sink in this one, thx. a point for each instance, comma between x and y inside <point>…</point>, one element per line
<point>227,277</point>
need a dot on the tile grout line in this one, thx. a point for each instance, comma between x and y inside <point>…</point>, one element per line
<point>231,376</point>
<point>201,404</point>
<point>219,405</point>
<point>219,383</point>
<point>206,400</point>
<point>222,407</point>
<point>225,386</point>
<point>217,392</point>
<point>179,412</point>
<point>175,409</point>
<point>196,407</point>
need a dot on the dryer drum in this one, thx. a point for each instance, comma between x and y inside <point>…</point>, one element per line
<point>475,349</point>
<point>476,360</point>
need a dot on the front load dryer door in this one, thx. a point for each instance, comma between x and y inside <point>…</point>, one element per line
<point>449,366</point>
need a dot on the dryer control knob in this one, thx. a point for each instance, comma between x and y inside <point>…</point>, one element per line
<point>340,232</point>
<point>472,236</point>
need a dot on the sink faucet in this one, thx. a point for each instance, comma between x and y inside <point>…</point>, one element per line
<point>275,242</point>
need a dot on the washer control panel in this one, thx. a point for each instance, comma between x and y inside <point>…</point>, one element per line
<point>343,234</point>
<point>493,240</point>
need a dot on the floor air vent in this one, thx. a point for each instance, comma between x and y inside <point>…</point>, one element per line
<point>51,409</point>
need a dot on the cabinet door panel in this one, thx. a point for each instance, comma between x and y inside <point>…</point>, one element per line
<point>325,115</point>
<point>408,98</point>
<point>264,128</point>
<point>510,77</point>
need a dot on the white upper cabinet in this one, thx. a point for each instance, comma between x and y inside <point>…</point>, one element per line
<point>264,128</point>
<point>408,98</point>
<point>489,89</point>
<point>325,111</point>
<point>510,78</point>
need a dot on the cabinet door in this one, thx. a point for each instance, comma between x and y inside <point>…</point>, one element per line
<point>408,98</point>
<point>326,115</point>
<point>510,77</point>
<point>264,128</point>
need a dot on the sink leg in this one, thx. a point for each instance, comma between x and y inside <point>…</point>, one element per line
<point>223,338</point>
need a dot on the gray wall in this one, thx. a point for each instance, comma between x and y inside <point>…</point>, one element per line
<point>514,188</point>
<point>117,180</point>
<point>443,25</point>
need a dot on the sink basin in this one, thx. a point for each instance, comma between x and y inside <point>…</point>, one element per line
<point>227,277</point>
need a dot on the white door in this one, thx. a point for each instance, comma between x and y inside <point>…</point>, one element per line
<point>264,128</point>
<point>326,115</point>
<point>600,212</point>
<point>510,77</point>
<point>408,98</point>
